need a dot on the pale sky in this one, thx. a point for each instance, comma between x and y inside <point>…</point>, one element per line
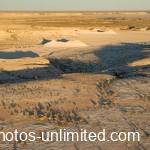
<point>61,5</point>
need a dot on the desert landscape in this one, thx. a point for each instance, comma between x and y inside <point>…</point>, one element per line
<point>75,70</point>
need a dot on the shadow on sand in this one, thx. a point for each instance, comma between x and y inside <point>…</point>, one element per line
<point>113,59</point>
<point>17,54</point>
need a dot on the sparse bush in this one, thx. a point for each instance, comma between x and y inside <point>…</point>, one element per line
<point>13,105</point>
<point>40,106</point>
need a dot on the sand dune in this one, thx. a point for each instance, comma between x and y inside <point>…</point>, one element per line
<point>24,63</point>
<point>66,44</point>
<point>142,62</point>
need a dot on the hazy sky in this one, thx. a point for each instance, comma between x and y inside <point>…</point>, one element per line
<point>52,5</point>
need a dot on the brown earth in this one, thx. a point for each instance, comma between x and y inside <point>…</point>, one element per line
<point>103,85</point>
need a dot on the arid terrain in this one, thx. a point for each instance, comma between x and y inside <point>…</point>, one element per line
<point>75,70</point>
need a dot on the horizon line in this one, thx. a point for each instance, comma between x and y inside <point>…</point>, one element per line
<point>75,10</point>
